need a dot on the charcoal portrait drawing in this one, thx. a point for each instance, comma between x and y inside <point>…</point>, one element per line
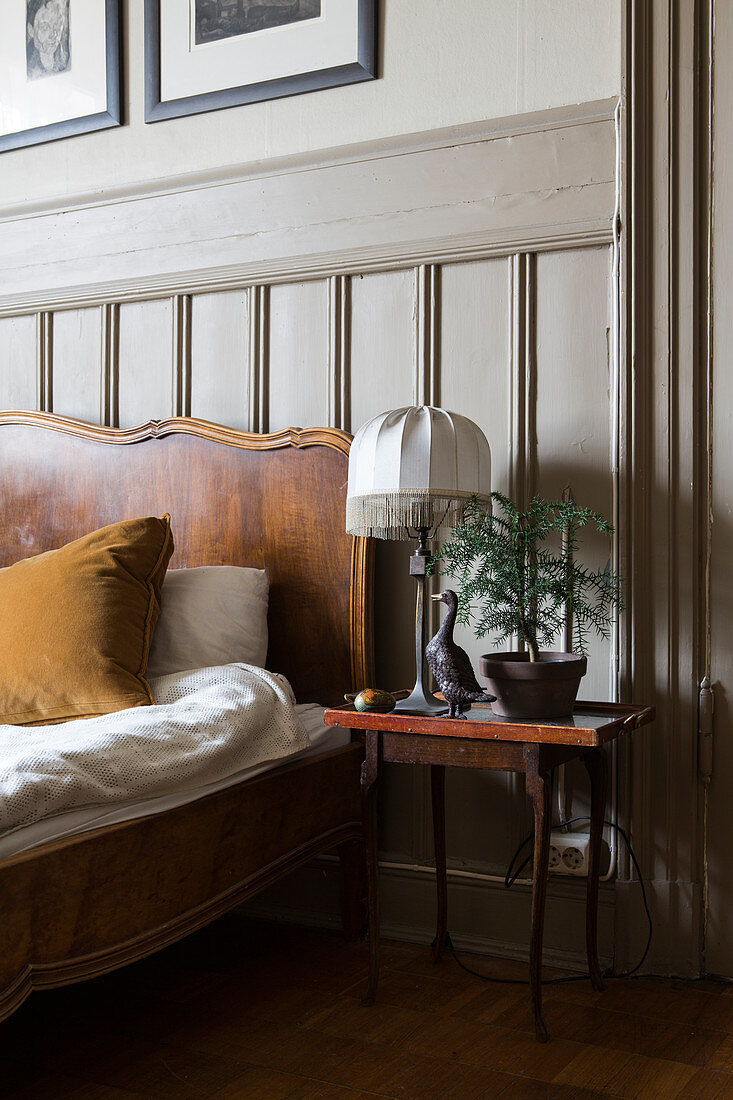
<point>48,46</point>
<point>218,19</point>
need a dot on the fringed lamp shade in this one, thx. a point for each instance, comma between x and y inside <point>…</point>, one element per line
<point>415,468</point>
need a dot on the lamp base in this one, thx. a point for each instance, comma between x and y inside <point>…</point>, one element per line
<point>421,703</point>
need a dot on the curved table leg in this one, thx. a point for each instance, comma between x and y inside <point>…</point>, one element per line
<point>597,768</point>
<point>369,775</point>
<point>538,789</point>
<point>437,790</point>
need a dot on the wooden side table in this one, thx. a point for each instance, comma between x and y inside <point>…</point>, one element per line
<point>484,740</point>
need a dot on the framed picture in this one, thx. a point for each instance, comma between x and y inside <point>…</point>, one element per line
<point>59,69</point>
<point>202,55</point>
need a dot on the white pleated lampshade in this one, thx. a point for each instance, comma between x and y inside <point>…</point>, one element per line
<point>415,467</point>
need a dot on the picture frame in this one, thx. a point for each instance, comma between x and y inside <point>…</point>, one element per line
<point>205,55</point>
<point>60,70</point>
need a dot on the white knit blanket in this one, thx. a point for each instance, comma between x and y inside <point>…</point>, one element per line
<point>206,724</point>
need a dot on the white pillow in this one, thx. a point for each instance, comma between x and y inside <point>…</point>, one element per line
<point>213,615</point>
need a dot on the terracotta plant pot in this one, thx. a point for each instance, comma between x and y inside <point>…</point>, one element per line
<point>533,689</point>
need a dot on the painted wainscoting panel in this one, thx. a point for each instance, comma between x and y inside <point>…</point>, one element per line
<point>475,317</point>
<point>76,376</point>
<point>575,399</point>
<point>149,381</point>
<point>18,363</point>
<point>220,359</point>
<point>470,270</point>
<point>486,812</point>
<point>382,374</point>
<point>477,368</point>
<point>383,343</point>
<point>298,382</point>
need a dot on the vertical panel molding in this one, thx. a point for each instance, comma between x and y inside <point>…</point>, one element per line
<point>522,458</point>
<point>427,392</point>
<point>109,412</point>
<point>44,360</point>
<point>704,197</point>
<point>339,349</point>
<point>259,346</point>
<point>427,334</point>
<point>181,313</point>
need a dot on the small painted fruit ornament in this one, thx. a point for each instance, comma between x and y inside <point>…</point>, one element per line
<point>372,701</point>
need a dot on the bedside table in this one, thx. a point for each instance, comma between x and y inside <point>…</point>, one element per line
<point>485,740</point>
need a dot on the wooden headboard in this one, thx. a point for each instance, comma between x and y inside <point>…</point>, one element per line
<point>274,501</point>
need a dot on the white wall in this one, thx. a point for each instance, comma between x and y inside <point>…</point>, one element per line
<point>442,62</point>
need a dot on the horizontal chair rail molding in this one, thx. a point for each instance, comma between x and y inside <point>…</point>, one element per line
<point>446,197</point>
<point>478,246</point>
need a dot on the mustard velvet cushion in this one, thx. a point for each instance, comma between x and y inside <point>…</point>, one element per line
<point>77,624</point>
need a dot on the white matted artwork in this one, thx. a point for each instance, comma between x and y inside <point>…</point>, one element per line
<point>202,55</point>
<point>59,69</point>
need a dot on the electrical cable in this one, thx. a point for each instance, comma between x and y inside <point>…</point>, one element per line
<point>511,877</point>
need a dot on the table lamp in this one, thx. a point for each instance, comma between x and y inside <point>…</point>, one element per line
<point>410,471</point>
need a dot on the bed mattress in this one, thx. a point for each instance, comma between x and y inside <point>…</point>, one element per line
<point>322,739</point>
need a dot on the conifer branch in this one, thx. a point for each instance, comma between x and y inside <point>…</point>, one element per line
<point>511,583</point>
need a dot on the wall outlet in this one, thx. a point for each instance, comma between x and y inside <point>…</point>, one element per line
<point>568,853</point>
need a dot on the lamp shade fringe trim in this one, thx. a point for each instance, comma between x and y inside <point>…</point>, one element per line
<point>388,515</point>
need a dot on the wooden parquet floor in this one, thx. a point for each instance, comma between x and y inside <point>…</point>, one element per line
<point>246,1009</point>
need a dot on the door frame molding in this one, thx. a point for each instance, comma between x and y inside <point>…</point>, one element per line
<point>665,468</point>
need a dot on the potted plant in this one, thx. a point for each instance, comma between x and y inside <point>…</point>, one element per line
<point>517,577</point>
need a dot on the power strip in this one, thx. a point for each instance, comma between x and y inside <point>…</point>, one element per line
<point>568,853</point>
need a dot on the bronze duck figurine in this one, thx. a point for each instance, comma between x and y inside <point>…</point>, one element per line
<point>451,665</point>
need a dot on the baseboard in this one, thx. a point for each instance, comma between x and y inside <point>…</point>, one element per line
<point>484,917</point>
<point>675,907</point>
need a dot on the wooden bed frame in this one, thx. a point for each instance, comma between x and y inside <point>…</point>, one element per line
<point>79,907</point>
